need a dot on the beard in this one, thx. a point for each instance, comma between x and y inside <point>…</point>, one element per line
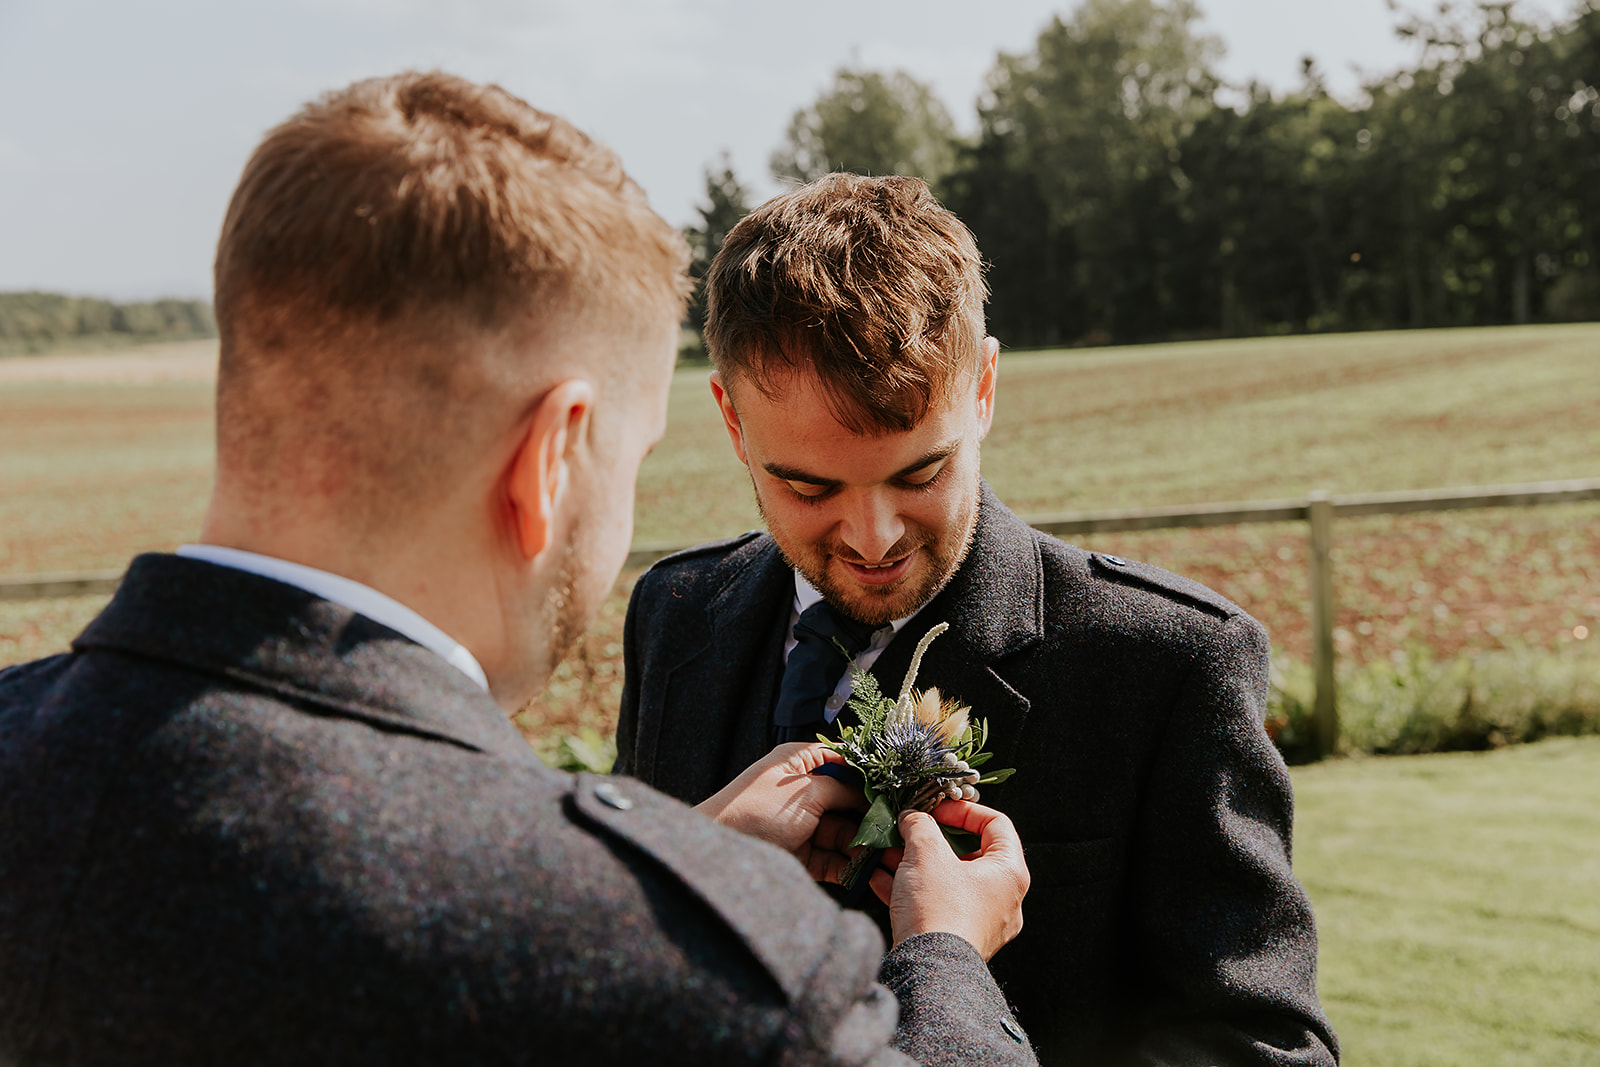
<point>818,563</point>
<point>567,613</point>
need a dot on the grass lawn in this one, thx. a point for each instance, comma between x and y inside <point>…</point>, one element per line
<point>1458,904</point>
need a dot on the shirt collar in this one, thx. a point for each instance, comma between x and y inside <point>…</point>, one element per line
<point>806,594</point>
<point>346,592</point>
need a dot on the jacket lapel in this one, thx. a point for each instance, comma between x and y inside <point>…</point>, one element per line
<point>995,607</point>
<point>717,708</point>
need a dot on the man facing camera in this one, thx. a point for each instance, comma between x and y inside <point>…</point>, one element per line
<point>856,381</point>
<point>271,808</point>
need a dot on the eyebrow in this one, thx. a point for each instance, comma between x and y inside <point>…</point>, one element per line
<point>795,474</point>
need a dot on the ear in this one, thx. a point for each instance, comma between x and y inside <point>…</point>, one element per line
<point>986,383</point>
<point>730,417</point>
<point>539,470</point>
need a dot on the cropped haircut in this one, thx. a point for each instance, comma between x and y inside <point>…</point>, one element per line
<point>869,283</point>
<point>424,201</point>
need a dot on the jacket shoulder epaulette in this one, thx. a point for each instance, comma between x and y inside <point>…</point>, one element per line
<point>724,547</point>
<point>1163,582</point>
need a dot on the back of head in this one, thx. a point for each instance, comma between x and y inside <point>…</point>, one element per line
<point>389,260</point>
<point>867,282</point>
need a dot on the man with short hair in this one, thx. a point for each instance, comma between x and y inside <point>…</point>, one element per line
<point>271,809</point>
<point>856,382</point>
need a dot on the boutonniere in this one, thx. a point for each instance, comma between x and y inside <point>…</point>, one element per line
<point>912,752</point>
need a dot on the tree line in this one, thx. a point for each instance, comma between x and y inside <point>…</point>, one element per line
<point>37,322</point>
<point>1122,191</point>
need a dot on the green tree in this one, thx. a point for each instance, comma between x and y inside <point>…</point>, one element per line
<point>37,322</point>
<point>868,122</point>
<point>1486,159</point>
<point>726,202</point>
<point>1095,115</point>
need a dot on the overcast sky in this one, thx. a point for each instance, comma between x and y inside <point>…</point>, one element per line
<point>124,123</point>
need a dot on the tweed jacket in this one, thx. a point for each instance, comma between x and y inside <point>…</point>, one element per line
<point>240,824</point>
<point>1164,924</point>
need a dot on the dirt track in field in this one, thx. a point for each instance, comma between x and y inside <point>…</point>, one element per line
<point>186,361</point>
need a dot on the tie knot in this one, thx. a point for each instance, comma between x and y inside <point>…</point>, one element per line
<point>823,622</point>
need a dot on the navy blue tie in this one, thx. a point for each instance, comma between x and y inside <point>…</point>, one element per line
<point>814,669</point>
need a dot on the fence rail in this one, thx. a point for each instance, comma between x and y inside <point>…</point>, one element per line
<point>46,586</point>
<point>1318,510</point>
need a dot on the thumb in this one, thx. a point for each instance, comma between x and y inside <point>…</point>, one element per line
<point>920,831</point>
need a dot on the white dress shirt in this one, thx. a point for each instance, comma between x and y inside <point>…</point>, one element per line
<point>362,599</point>
<point>805,595</point>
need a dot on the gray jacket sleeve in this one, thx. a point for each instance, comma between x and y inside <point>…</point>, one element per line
<point>1230,929</point>
<point>950,1010</point>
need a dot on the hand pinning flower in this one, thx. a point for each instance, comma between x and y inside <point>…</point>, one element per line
<point>912,753</point>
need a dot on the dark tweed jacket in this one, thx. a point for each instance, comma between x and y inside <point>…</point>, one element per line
<point>1164,924</point>
<point>239,824</point>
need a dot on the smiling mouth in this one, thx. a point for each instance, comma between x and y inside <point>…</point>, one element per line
<point>885,573</point>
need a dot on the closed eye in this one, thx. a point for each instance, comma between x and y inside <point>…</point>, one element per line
<point>810,492</point>
<point>924,478</point>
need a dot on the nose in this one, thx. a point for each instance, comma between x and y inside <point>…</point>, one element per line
<point>871,525</point>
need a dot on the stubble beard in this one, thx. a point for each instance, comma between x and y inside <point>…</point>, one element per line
<point>878,606</point>
<point>565,618</point>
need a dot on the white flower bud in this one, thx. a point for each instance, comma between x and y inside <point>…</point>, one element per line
<point>968,793</point>
<point>950,759</point>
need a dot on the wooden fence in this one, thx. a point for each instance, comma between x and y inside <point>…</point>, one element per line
<point>1318,510</point>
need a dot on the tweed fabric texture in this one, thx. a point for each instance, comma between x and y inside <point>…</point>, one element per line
<point>1164,923</point>
<point>239,824</point>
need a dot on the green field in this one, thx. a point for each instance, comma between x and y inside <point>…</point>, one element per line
<point>92,473</point>
<point>1225,420</point>
<point>1457,894</point>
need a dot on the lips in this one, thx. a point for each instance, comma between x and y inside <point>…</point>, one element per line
<point>879,574</point>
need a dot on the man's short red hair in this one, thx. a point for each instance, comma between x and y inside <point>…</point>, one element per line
<point>425,196</point>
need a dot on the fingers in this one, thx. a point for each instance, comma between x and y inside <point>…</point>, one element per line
<point>823,865</point>
<point>996,835</point>
<point>883,885</point>
<point>919,829</point>
<point>829,794</point>
<point>974,818</point>
<point>834,833</point>
<point>978,897</point>
<point>823,793</point>
<point>801,756</point>
<point>778,799</point>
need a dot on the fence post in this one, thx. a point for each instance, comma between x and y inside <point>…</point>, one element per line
<point>1325,713</point>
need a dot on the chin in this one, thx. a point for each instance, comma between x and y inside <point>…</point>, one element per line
<point>873,605</point>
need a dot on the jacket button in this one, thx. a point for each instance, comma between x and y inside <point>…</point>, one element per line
<point>1115,561</point>
<point>612,797</point>
<point>835,702</point>
<point>1013,1028</point>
